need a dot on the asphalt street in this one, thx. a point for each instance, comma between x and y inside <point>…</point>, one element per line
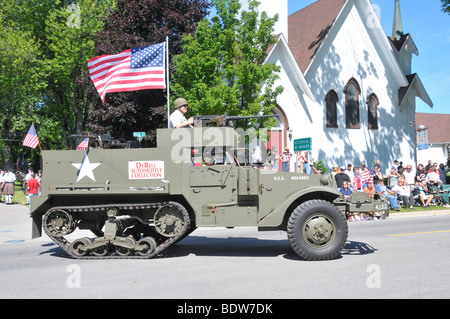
<point>405,256</point>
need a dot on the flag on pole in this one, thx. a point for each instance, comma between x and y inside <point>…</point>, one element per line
<point>132,70</point>
<point>366,175</point>
<point>84,144</point>
<point>31,139</point>
<point>355,182</point>
<point>368,178</point>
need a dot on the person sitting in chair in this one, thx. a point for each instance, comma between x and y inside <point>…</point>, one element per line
<point>422,189</point>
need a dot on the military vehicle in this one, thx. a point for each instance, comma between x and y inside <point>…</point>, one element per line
<point>138,202</point>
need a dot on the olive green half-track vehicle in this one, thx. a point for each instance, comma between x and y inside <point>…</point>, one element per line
<point>136,202</point>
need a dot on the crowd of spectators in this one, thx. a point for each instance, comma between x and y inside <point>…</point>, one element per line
<point>31,185</point>
<point>402,185</point>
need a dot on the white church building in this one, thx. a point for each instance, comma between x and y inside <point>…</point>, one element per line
<point>347,85</point>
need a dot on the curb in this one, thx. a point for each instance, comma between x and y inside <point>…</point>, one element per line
<point>419,214</point>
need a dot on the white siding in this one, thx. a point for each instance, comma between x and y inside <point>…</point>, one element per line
<point>349,52</point>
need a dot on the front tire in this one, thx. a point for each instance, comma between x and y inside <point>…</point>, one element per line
<point>317,230</point>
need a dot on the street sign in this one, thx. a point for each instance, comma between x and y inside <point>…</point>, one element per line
<point>302,144</point>
<point>139,134</point>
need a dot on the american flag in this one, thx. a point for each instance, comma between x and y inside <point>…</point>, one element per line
<point>84,144</point>
<point>132,70</point>
<point>367,176</point>
<point>355,182</point>
<point>31,139</point>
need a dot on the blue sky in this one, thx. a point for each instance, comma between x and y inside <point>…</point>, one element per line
<point>430,30</point>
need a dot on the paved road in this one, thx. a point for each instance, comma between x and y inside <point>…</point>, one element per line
<point>402,257</point>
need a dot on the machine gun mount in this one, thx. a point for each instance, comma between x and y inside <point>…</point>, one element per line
<point>224,119</point>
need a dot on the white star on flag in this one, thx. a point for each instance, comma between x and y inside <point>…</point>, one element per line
<point>86,168</point>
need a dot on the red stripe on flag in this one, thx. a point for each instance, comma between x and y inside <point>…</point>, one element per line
<point>130,70</point>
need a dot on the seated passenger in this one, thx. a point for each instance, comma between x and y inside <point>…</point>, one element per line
<point>345,190</point>
<point>404,191</point>
<point>422,189</point>
<point>369,189</point>
<point>177,118</point>
<point>433,175</point>
<point>440,193</point>
<point>383,190</point>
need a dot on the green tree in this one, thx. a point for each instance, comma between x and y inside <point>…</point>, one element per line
<point>222,69</point>
<point>446,6</point>
<point>69,43</point>
<point>48,42</point>
<point>18,85</point>
<point>139,23</point>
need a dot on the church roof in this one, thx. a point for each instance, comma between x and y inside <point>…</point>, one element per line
<point>437,124</point>
<point>416,88</point>
<point>297,76</point>
<point>308,28</point>
<point>398,43</point>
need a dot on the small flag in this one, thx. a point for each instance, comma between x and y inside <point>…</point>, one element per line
<point>366,175</point>
<point>83,145</point>
<point>132,70</point>
<point>31,140</point>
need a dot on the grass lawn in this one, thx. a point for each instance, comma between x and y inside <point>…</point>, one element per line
<point>19,196</point>
<point>419,209</point>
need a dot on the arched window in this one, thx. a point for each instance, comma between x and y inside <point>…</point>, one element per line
<point>372,111</point>
<point>352,92</point>
<point>331,100</point>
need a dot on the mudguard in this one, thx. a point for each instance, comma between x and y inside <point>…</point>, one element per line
<point>276,218</point>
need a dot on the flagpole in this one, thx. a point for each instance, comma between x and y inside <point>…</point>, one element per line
<point>168,87</point>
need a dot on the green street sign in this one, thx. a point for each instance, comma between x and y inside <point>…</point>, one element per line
<point>302,144</point>
<point>139,134</point>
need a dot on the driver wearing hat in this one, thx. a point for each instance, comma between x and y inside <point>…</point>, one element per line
<point>177,118</point>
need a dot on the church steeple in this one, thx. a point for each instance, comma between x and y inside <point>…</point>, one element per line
<point>397,27</point>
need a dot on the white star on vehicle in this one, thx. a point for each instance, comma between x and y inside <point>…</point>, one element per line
<point>86,168</point>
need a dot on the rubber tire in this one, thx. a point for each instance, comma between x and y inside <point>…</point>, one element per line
<point>297,222</point>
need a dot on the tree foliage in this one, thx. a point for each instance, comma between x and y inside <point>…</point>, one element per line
<point>139,23</point>
<point>44,46</point>
<point>70,31</point>
<point>446,6</point>
<point>222,69</point>
<point>15,69</point>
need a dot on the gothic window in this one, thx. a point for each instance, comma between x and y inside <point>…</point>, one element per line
<point>331,100</point>
<point>352,92</point>
<point>372,110</point>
